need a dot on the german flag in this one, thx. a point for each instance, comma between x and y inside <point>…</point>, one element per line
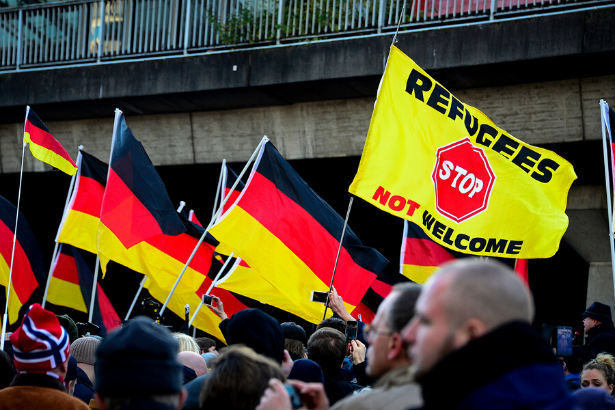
<point>379,289</point>
<point>80,221</point>
<point>135,206</point>
<point>290,236</point>
<point>420,255</point>
<point>28,268</point>
<point>229,177</point>
<point>44,147</point>
<point>71,286</point>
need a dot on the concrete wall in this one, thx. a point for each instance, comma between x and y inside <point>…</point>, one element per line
<point>538,113</point>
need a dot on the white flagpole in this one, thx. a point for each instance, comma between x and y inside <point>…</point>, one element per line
<point>94,289</point>
<point>213,283</point>
<point>213,220</point>
<point>55,249</point>
<point>134,301</point>
<point>603,105</point>
<point>8,288</point>
<point>338,255</point>
<point>182,204</point>
<point>213,212</point>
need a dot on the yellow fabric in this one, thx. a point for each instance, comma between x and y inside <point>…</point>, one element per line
<point>79,230</point>
<point>50,157</point>
<point>268,256</point>
<point>206,320</point>
<point>14,302</point>
<point>399,158</point>
<point>418,274</point>
<point>63,293</point>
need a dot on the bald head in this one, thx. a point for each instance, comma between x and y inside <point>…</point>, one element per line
<point>194,361</point>
<point>485,290</point>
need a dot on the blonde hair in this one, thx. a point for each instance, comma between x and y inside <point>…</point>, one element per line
<point>605,363</point>
<point>187,343</point>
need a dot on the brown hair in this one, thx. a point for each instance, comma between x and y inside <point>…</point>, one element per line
<point>238,379</point>
<point>327,347</point>
<point>295,349</point>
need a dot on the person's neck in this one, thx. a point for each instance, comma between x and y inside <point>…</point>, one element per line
<point>88,369</point>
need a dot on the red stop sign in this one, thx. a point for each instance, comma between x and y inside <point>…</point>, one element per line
<point>463,180</point>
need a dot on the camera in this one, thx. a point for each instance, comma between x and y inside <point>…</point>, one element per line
<point>207,299</point>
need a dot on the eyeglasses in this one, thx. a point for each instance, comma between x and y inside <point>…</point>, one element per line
<point>370,332</point>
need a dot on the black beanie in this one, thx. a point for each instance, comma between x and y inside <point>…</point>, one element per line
<point>257,330</point>
<point>294,332</point>
<point>138,360</point>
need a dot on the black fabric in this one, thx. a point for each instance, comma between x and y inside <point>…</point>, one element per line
<point>188,375</point>
<point>600,339</point>
<point>194,392</point>
<point>146,405</point>
<point>143,355</point>
<point>361,376</point>
<point>307,371</point>
<point>483,360</point>
<point>39,380</point>
<point>257,330</point>
<point>84,389</point>
<point>294,332</point>
<point>336,389</point>
<point>71,371</point>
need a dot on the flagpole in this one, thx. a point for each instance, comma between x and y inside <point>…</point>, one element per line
<point>213,220</point>
<point>339,249</point>
<point>608,186</point>
<point>401,16</point>
<point>134,301</point>
<point>213,283</point>
<point>182,204</point>
<point>8,288</point>
<point>94,289</point>
<point>213,212</point>
<point>56,247</point>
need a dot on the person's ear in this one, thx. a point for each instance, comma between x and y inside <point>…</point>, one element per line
<point>396,347</point>
<point>472,329</point>
<point>611,388</point>
<point>183,396</point>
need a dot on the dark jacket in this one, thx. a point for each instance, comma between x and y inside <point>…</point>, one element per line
<point>600,339</point>
<point>84,390</point>
<point>38,391</point>
<point>337,388</point>
<point>510,368</point>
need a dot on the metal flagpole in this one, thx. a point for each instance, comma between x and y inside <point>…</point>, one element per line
<point>213,220</point>
<point>94,289</point>
<point>401,16</point>
<point>213,212</point>
<point>213,283</point>
<point>134,301</point>
<point>8,288</point>
<point>56,248</point>
<point>182,204</point>
<point>603,112</point>
<point>338,255</point>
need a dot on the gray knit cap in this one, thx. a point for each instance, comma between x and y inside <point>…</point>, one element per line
<point>84,350</point>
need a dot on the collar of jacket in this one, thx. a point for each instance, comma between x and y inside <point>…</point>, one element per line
<point>596,330</point>
<point>482,361</point>
<point>396,377</point>
<point>39,380</point>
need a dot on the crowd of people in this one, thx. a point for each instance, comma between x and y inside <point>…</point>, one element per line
<point>464,340</point>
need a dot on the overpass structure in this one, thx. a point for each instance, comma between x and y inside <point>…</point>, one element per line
<point>202,80</point>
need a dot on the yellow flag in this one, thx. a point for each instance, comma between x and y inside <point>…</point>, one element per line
<point>471,186</point>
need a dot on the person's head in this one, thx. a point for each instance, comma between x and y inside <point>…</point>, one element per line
<point>194,361</point>
<point>600,373</point>
<point>7,373</point>
<point>84,350</point>
<point>293,331</point>
<point>387,350</point>
<point>187,343</point>
<point>461,302</point>
<point>138,362</point>
<point>206,344</point>
<point>574,364</point>
<point>334,323</point>
<point>238,378</point>
<point>295,349</point>
<point>327,347</point>
<point>70,326</point>
<point>41,344</point>
<point>257,330</point>
<point>596,314</point>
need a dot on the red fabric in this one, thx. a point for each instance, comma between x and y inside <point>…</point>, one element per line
<point>521,267</point>
<point>89,196</point>
<point>425,252</point>
<point>44,139</point>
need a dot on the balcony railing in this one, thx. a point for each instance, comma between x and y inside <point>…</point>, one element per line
<point>92,31</point>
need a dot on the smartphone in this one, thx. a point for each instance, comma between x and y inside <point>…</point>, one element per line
<point>352,327</point>
<point>295,400</point>
<point>207,299</point>
<point>564,341</point>
<point>319,297</point>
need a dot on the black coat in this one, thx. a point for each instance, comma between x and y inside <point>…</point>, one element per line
<point>600,339</point>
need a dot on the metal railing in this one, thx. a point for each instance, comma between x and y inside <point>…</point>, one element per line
<point>91,31</point>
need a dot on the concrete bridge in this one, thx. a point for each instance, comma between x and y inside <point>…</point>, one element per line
<point>540,76</point>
